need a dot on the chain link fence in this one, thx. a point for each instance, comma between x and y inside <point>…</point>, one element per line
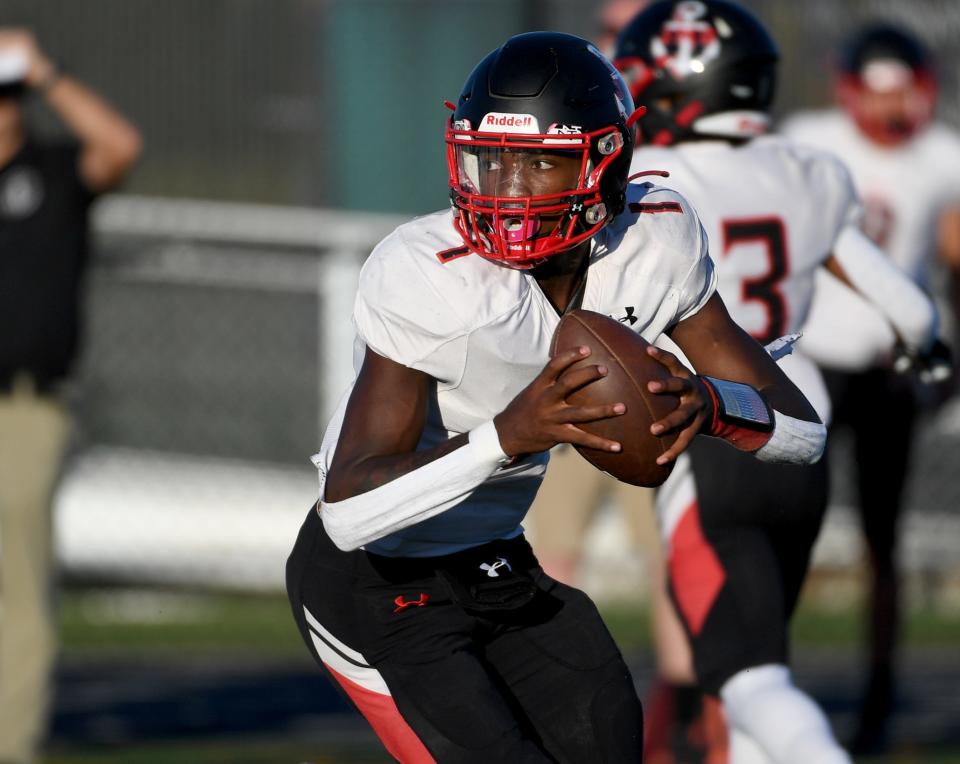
<point>218,341</point>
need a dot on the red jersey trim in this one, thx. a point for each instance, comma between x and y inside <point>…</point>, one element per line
<point>453,253</point>
<point>654,207</point>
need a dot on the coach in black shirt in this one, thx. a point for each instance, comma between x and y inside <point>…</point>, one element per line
<point>45,193</point>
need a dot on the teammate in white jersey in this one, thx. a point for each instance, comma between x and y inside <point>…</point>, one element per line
<point>907,169</point>
<point>739,532</point>
<point>411,582</point>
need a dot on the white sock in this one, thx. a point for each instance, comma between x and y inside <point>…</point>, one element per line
<point>763,703</point>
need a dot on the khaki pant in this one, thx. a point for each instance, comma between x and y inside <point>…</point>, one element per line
<point>572,492</point>
<point>33,433</point>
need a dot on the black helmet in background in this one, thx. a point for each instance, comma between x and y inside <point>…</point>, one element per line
<point>702,68</point>
<point>538,148</point>
<point>886,83</point>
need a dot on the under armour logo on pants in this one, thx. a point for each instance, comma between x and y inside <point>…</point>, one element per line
<point>492,569</point>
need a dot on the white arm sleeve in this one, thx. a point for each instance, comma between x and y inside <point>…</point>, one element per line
<point>416,496</point>
<point>908,309</point>
<point>794,441</point>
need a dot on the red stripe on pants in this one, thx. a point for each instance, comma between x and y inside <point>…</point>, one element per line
<point>696,574</point>
<point>383,715</point>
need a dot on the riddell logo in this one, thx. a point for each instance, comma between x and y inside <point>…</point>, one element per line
<point>499,122</point>
<point>508,120</point>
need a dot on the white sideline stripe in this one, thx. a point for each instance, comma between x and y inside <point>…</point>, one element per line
<point>318,627</point>
<point>366,676</point>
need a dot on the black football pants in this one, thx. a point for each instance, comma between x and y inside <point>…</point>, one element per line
<point>442,682</point>
<point>736,571</point>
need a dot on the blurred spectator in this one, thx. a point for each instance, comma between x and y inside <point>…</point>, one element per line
<point>45,192</point>
<point>907,169</point>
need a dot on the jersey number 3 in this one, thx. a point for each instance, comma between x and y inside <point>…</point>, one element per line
<point>764,288</point>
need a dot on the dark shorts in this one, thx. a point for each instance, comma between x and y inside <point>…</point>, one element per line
<point>450,663</point>
<point>739,555</point>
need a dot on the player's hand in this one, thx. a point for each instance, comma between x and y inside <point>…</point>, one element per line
<point>540,417</point>
<point>22,41</point>
<point>931,368</point>
<point>693,411</point>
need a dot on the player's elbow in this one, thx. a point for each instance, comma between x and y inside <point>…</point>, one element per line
<point>338,485</point>
<point>336,522</point>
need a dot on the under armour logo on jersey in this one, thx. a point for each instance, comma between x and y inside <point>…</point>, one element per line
<point>492,569</point>
<point>629,318</point>
<point>402,605</point>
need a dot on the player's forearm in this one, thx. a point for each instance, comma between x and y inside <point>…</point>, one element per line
<point>798,435</point>
<point>110,142</point>
<point>346,481</point>
<point>785,397</point>
<point>860,264</point>
<point>415,495</point>
<point>948,238</point>
<point>748,419</point>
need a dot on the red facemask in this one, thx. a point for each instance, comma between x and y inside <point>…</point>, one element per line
<point>889,102</point>
<point>520,198</point>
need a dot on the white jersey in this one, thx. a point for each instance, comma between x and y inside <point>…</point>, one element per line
<point>904,190</point>
<point>772,211</point>
<point>483,332</point>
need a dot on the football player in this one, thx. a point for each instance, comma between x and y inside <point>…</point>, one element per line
<point>411,581</point>
<point>739,532</point>
<point>907,169</point>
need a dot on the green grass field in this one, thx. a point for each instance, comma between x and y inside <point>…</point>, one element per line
<point>99,623</point>
<point>260,752</point>
<point>111,621</point>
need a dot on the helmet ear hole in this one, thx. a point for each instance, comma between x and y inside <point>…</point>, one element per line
<point>595,213</point>
<point>609,144</point>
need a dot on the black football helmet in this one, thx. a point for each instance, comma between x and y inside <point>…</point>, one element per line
<point>548,105</point>
<point>887,83</point>
<point>701,68</point>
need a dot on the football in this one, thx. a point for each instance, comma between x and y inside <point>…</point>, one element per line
<point>629,369</point>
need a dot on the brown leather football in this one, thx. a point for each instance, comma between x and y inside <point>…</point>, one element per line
<point>624,353</point>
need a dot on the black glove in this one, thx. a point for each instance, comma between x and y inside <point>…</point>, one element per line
<point>931,367</point>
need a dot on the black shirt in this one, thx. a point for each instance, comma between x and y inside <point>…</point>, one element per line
<point>43,251</point>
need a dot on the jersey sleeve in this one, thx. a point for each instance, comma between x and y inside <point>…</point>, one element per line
<point>841,202</point>
<point>399,314</point>
<point>700,281</point>
<point>829,188</point>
